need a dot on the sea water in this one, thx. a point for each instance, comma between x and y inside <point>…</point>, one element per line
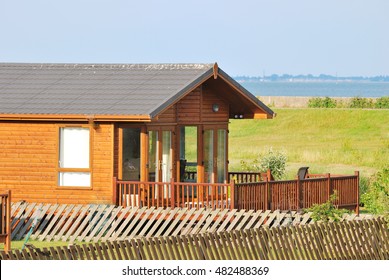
<point>330,89</point>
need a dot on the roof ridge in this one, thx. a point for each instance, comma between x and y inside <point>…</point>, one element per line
<point>141,66</point>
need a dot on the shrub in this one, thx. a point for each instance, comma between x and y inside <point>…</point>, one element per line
<point>360,102</point>
<point>376,199</point>
<point>327,211</point>
<point>364,184</point>
<point>318,102</point>
<point>382,102</point>
<point>273,160</point>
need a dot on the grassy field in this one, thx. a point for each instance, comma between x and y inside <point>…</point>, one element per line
<point>327,140</point>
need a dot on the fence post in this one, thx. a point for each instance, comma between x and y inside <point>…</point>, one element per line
<point>357,206</point>
<point>232,194</point>
<point>172,194</point>
<point>114,191</point>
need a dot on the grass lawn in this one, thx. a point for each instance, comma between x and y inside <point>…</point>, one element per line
<point>36,243</point>
<point>327,140</point>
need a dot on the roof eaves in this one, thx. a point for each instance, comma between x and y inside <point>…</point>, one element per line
<point>250,96</point>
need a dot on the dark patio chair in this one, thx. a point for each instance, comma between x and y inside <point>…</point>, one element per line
<point>302,173</point>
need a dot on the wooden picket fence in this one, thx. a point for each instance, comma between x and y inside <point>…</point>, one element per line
<point>348,240</point>
<point>86,223</point>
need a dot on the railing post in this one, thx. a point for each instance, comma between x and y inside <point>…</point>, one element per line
<point>232,195</point>
<point>114,191</point>
<point>268,174</point>
<point>267,192</point>
<point>172,193</point>
<point>7,244</point>
<point>300,202</point>
<point>357,206</point>
<point>329,185</point>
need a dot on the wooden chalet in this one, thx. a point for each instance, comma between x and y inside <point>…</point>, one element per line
<point>71,133</point>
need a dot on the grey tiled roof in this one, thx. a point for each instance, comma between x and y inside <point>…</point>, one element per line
<point>87,89</point>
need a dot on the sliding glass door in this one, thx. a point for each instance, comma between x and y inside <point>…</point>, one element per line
<point>215,155</point>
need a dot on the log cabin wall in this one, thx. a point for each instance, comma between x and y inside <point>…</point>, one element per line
<point>28,164</point>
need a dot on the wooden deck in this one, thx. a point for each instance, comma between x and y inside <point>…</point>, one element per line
<point>250,192</point>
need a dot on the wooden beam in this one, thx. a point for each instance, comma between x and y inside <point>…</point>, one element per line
<point>215,70</point>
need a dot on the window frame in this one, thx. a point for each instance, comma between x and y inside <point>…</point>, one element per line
<point>67,169</point>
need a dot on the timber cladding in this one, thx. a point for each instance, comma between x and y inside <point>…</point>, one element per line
<point>28,163</point>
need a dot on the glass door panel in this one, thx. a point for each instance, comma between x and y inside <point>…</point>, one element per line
<point>221,157</point>
<point>153,156</point>
<point>208,156</point>
<point>166,163</point>
<point>130,154</point>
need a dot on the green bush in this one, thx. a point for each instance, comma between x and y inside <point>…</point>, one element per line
<point>318,102</point>
<point>273,160</point>
<point>376,199</point>
<point>327,211</point>
<point>360,102</point>
<point>364,184</point>
<point>382,102</point>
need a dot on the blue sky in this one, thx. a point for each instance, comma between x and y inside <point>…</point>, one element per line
<point>246,37</point>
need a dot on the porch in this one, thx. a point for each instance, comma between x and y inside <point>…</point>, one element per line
<point>245,190</point>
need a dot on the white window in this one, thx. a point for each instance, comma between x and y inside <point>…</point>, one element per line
<point>74,157</point>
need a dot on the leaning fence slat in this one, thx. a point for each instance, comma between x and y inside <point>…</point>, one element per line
<point>23,219</point>
<point>60,223</point>
<point>123,225</point>
<point>92,222</point>
<point>141,222</point>
<point>53,221</point>
<point>39,218</point>
<point>27,225</point>
<point>184,221</point>
<point>98,226</point>
<point>132,224</point>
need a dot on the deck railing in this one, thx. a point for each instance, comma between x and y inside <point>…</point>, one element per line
<point>299,194</point>
<point>173,194</point>
<point>5,225</point>
<point>262,195</point>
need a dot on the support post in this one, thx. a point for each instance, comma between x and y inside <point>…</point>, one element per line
<point>300,202</point>
<point>232,194</point>
<point>114,191</point>
<point>267,192</point>
<point>7,243</point>
<point>172,193</point>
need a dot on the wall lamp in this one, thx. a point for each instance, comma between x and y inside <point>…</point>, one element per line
<point>238,116</point>
<point>215,108</point>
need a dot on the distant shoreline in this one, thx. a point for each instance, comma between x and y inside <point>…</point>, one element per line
<point>297,101</point>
